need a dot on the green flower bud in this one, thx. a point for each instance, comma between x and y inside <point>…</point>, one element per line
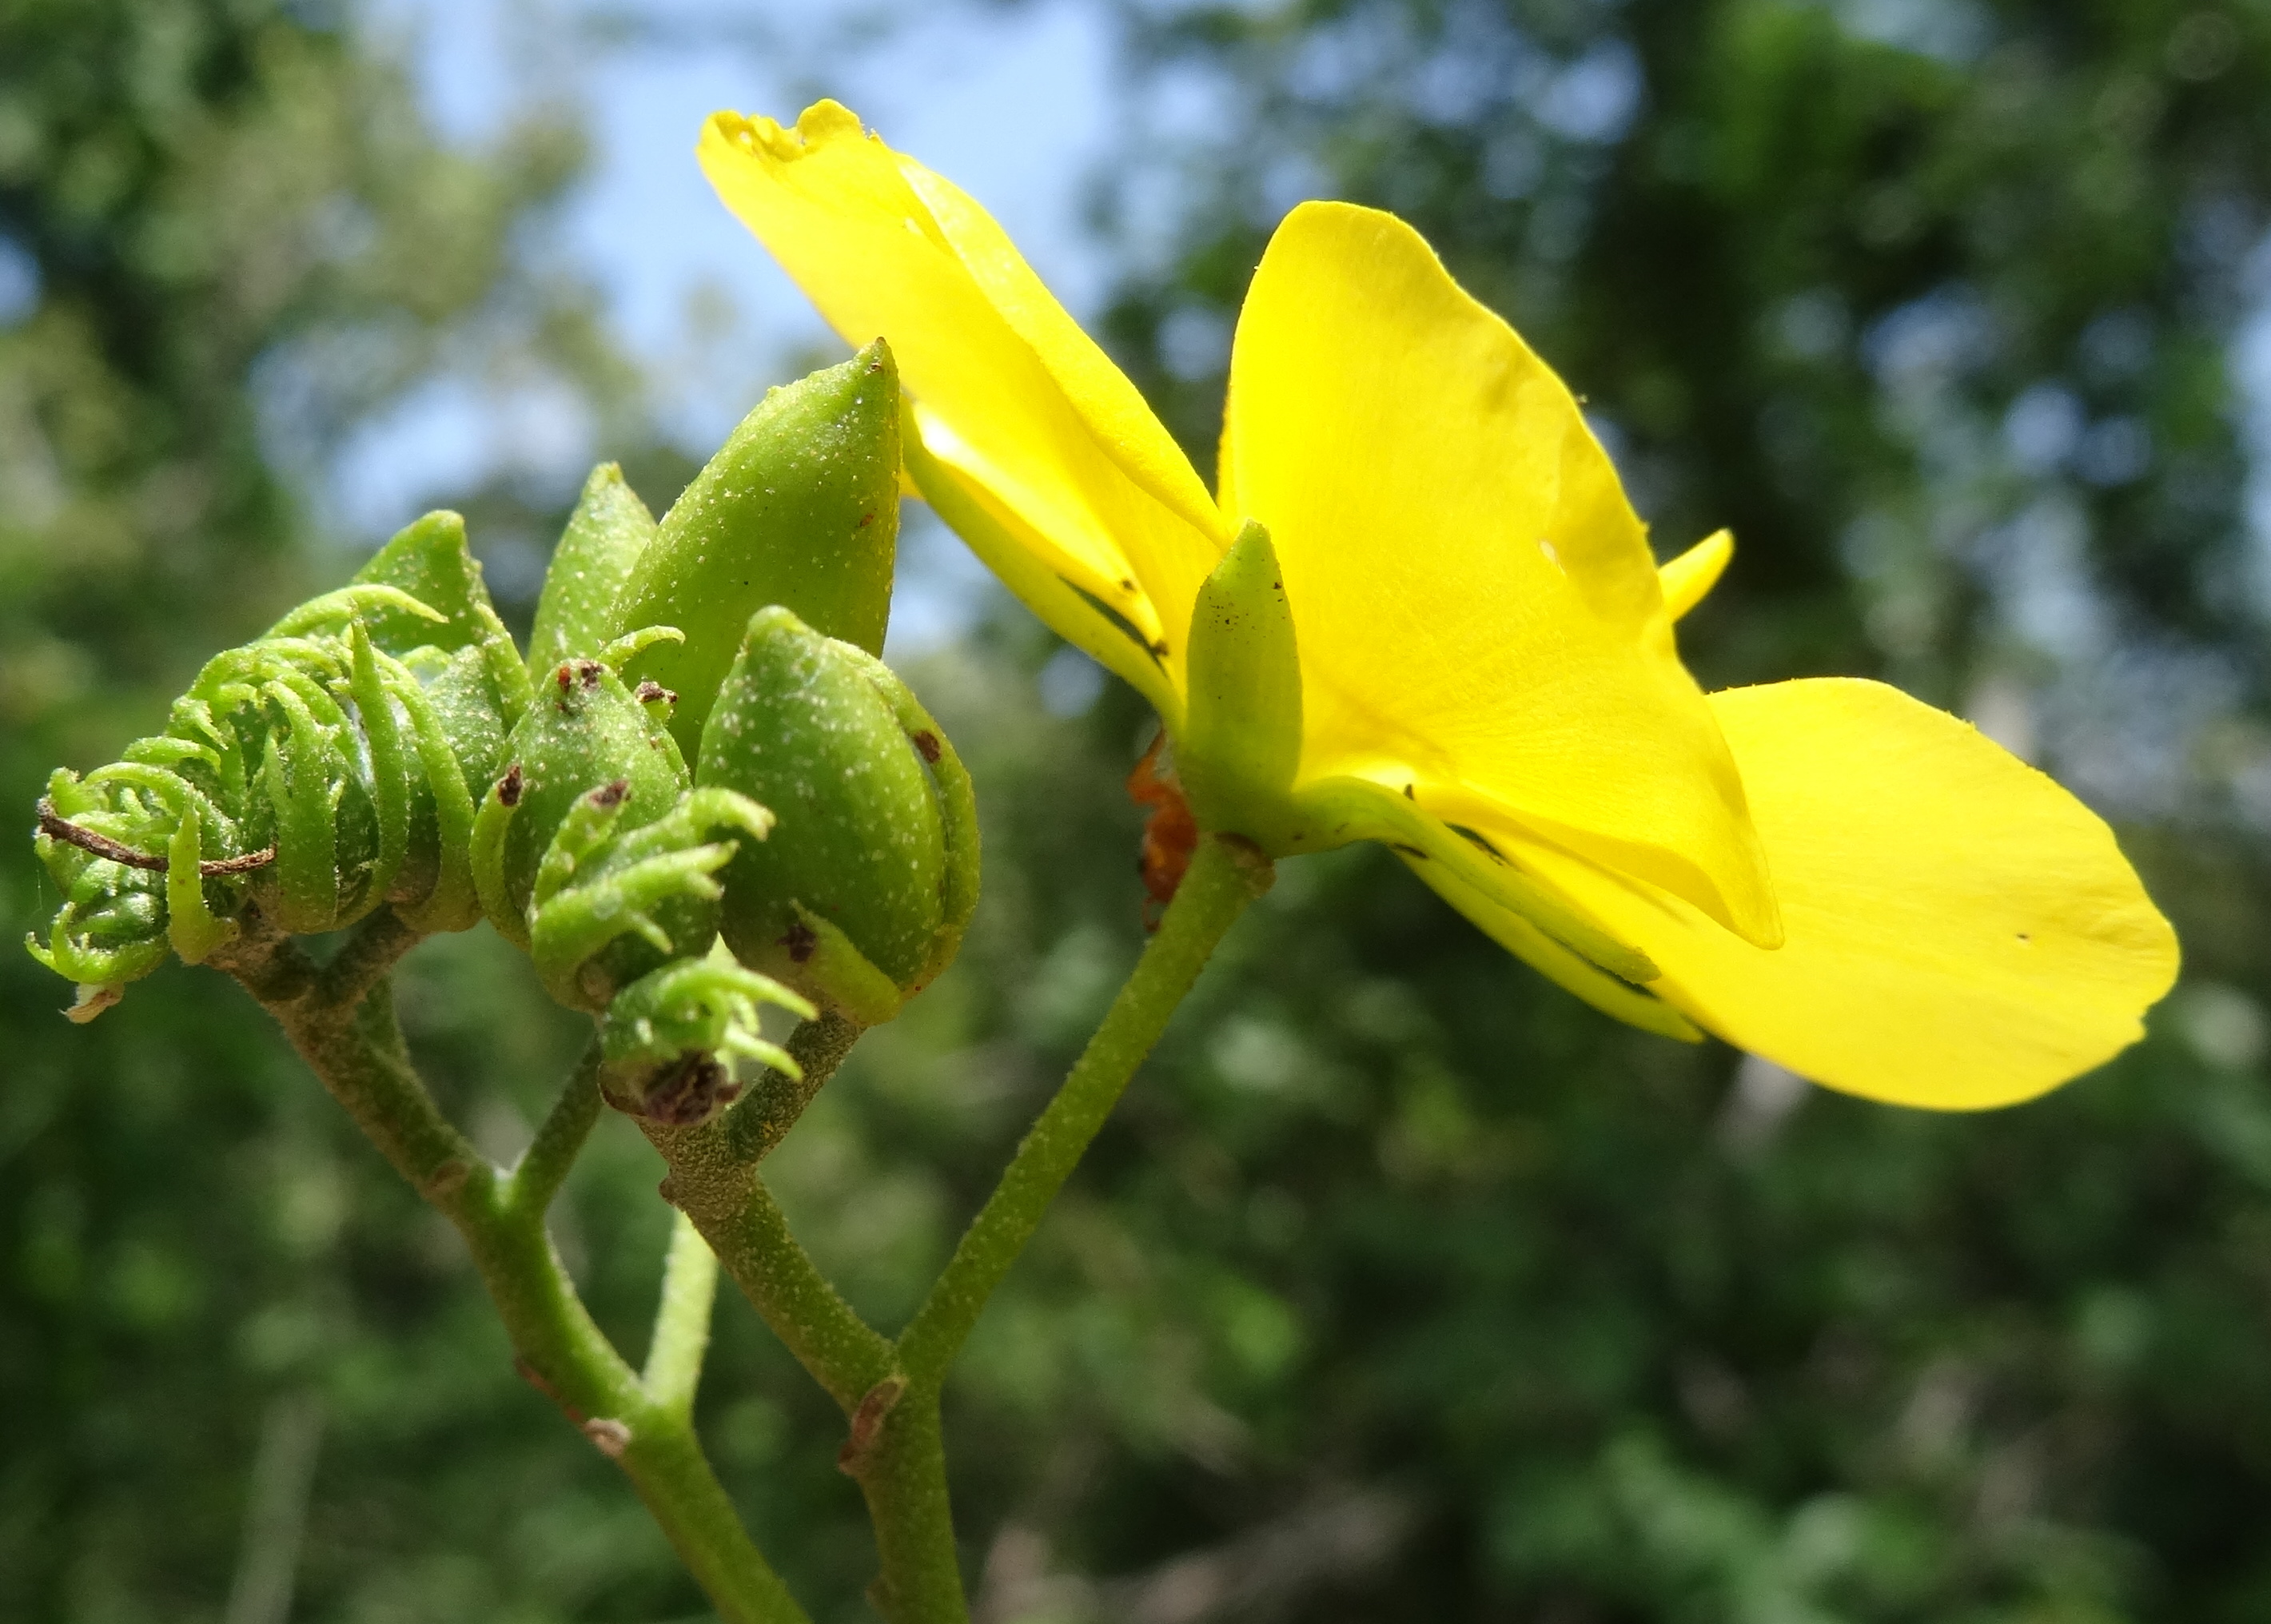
<point>801,507</point>
<point>862,894</point>
<point>590,567</point>
<point>585,732</point>
<point>589,849</point>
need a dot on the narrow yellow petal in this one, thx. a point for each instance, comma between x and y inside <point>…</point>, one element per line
<point>1687,579</point>
<point>1961,932</point>
<point>1012,395</point>
<point>1473,594</point>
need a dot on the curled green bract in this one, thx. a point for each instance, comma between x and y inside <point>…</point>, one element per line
<point>316,773</point>
<point>668,1037</point>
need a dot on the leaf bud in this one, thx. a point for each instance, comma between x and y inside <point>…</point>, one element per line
<point>860,896</point>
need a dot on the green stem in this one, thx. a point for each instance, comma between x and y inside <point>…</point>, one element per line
<point>714,1180</point>
<point>1225,876</point>
<point>844,1353</point>
<point>542,1168</point>
<point>895,1451</point>
<point>681,1321</point>
<point>765,1114</point>
<point>342,1023</point>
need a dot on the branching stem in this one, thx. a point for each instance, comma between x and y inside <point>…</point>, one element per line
<point>341,1019</point>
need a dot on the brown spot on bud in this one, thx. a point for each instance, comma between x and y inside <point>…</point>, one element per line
<point>588,672</point>
<point>610,794</point>
<point>509,787</point>
<point>649,691</point>
<point>565,676</point>
<point>800,940</point>
<point>866,520</point>
<point>927,741</point>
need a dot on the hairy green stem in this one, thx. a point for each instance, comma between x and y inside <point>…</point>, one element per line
<point>681,1321</point>
<point>341,1020</point>
<point>714,1180</point>
<point>771,1108</point>
<point>896,1455</point>
<point>1226,876</point>
<point>537,1177</point>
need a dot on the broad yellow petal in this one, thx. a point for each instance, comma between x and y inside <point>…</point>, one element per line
<point>1473,597</point>
<point>1009,393</point>
<point>1961,932</point>
<point>1687,579</point>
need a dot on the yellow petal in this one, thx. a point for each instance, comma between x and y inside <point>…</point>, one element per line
<point>1474,598</point>
<point>1010,393</point>
<point>1632,1005</point>
<point>1008,546</point>
<point>1961,932</point>
<point>1687,579</point>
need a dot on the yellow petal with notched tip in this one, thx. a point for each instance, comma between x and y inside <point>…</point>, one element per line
<point>1473,597</point>
<point>1961,932</point>
<point>1010,393</point>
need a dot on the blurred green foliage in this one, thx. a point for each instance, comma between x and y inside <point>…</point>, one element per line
<point>1401,1286</point>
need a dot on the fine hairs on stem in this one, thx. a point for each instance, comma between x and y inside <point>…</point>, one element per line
<point>340,1018</point>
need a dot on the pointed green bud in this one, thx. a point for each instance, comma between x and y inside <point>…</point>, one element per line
<point>801,507</point>
<point>1242,738</point>
<point>861,895</point>
<point>597,553</point>
<point>429,561</point>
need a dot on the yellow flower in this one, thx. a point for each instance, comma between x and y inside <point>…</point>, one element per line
<point>1421,611</point>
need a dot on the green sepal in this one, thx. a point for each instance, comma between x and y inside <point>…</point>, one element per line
<point>583,732</point>
<point>191,926</point>
<point>1242,741</point>
<point>661,1039</point>
<point>620,651</point>
<point>832,966</point>
<point>801,507</point>
<point>111,925</point>
<point>860,840</point>
<point>598,551</point>
<point>434,891</point>
<point>958,806</point>
<point>352,604</point>
<point>611,903</point>
<point>301,775</point>
<point>388,764</point>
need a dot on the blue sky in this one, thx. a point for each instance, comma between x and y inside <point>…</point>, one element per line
<point>1015,103</point>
